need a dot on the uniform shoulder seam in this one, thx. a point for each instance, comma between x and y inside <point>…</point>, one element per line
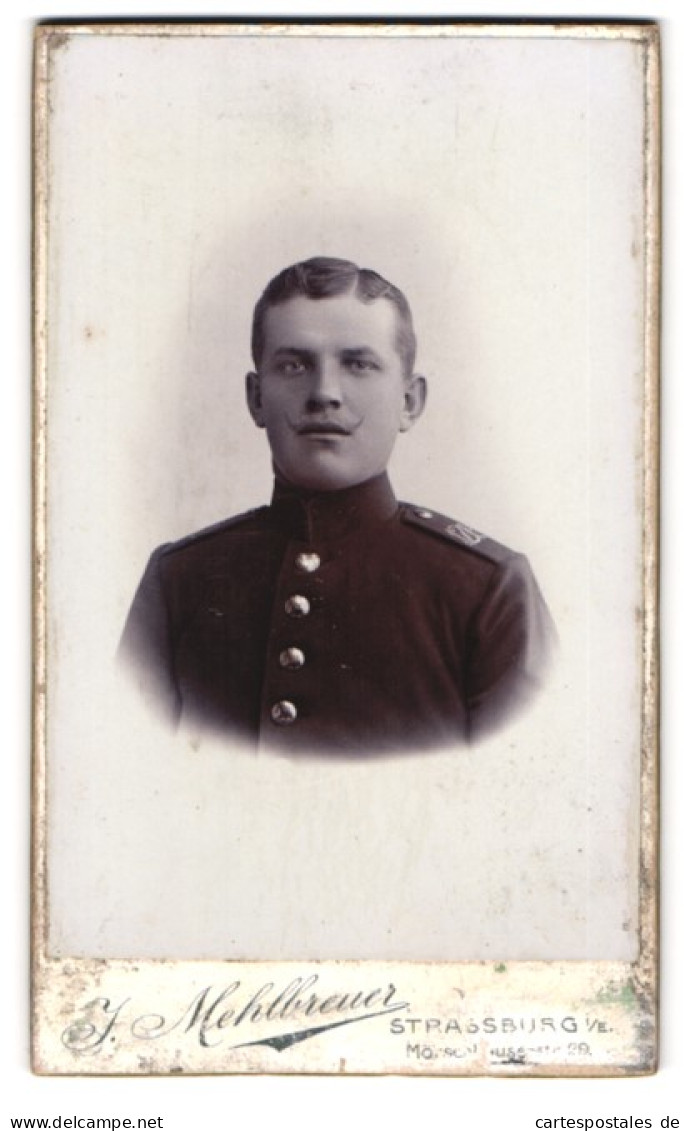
<point>210,531</point>
<point>453,531</point>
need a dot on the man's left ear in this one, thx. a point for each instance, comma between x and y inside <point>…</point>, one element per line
<point>415,400</point>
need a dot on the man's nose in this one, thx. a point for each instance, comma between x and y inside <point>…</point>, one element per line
<point>325,389</point>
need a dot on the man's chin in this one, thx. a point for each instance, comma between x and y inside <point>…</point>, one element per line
<point>321,478</point>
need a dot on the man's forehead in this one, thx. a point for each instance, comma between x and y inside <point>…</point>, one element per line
<point>337,320</point>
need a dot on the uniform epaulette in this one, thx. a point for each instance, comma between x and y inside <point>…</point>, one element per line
<point>453,531</point>
<point>210,531</point>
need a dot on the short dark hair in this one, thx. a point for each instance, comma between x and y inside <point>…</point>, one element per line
<point>323,277</point>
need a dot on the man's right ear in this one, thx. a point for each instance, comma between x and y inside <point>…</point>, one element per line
<point>253,390</point>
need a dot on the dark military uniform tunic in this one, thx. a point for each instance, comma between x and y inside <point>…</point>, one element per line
<point>340,621</point>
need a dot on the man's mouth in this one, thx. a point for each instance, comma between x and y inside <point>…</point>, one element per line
<point>323,428</point>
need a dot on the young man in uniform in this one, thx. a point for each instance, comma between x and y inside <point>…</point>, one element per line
<point>337,619</point>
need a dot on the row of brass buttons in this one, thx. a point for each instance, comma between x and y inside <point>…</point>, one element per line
<point>284,711</point>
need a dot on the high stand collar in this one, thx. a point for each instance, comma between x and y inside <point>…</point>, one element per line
<point>326,516</point>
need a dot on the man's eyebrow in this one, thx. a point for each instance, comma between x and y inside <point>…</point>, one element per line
<point>292,351</point>
<point>359,351</point>
<point>348,353</point>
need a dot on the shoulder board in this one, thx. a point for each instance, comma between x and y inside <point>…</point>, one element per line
<point>210,531</point>
<point>453,531</point>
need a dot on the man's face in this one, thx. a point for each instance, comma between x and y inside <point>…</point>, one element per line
<point>330,390</point>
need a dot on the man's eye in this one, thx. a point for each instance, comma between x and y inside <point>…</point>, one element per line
<point>362,364</point>
<point>290,368</point>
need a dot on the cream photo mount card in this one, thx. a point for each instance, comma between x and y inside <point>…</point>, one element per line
<point>346,528</point>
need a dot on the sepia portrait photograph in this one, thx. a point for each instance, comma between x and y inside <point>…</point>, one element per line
<point>345,478</point>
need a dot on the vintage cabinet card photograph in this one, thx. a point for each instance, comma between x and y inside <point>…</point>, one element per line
<point>345,470</point>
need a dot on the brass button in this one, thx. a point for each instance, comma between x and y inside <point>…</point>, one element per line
<point>283,713</point>
<point>297,606</point>
<point>307,563</point>
<point>292,658</point>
